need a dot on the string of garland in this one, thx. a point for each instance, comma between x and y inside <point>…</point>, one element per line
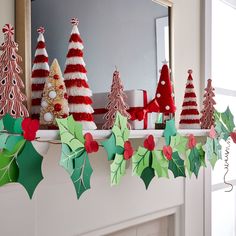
<point>181,156</point>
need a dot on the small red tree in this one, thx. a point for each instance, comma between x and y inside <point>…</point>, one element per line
<point>11,97</point>
<point>207,119</point>
<point>164,92</point>
<point>116,102</point>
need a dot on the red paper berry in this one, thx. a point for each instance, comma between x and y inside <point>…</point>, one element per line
<point>56,77</point>
<point>149,143</point>
<point>167,151</point>
<point>57,107</point>
<point>65,96</point>
<point>30,128</point>
<point>233,136</point>
<point>90,144</point>
<point>61,87</point>
<point>64,116</point>
<point>191,141</point>
<point>128,153</point>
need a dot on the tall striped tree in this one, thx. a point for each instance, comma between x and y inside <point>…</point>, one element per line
<point>40,72</point>
<point>79,94</point>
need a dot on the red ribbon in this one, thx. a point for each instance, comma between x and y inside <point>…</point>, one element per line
<point>138,113</point>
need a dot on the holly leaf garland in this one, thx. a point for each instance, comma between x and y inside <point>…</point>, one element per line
<point>178,143</point>
<point>160,164</point>
<point>115,148</point>
<point>117,169</point>
<point>170,130</point>
<point>224,123</point>
<point>194,158</point>
<point>213,150</point>
<point>75,149</point>
<point>176,165</point>
<point>71,133</point>
<point>9,170</point>
<point>82,174</point>
<point>29,162</point>
<point>148,163</point>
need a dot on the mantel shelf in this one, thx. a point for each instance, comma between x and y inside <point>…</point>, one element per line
<point>134,134</point>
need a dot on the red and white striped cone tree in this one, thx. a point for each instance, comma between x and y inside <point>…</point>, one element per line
<point>40,73</point>
<point>189,118</point>
<point>11,96</point>
<point>79,94</point>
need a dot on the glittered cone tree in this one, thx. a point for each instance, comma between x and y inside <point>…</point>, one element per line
<point>164,94</point>
<point>40,72</point>
<point>79,94</point>
<point>189,117</point>
<point>116,102</point>
<point>11,96</point>
<point>207,118</point>
<point>54,102</point>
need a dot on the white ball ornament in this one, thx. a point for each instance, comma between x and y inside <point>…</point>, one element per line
<point>158,95</point>
<point>163,82</point>
<point>167,108</point>
<point>52,94</point>
<point>44,104</point>
<point>48,117</point>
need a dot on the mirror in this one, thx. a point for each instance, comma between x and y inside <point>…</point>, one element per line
<point>131,35</point>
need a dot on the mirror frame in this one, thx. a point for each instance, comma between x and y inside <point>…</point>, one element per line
<point>23,38</point>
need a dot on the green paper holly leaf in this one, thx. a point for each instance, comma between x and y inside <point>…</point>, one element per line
<point>224,123</point>
<point>9,170</point>
<point>194,160</point>
<point>3,136</point>
<point>201,152</point>
<point>147,175</point>
<point>12,125</point>
<point>3,139</point>
<point>160,164</point>
<point>71,133</point>
<point>117,169</point>
<point>140,161</point>
<point>120,130</point>
<point>82,174</point>
<point>176,165</point>
<point>67,158</point>
<point>29,162</point>
<point>169,131</point>
<point>179,143</point>
<point>213,151</point>
<point>187,166</point>
<point>111,148</point>
<point>11,141</point>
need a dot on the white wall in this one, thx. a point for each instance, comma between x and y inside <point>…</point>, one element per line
<point>6,14</point>
<point>54,209</point>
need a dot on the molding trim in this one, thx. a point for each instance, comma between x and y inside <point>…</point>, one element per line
<point>166,3</point>
<point>23,38</point>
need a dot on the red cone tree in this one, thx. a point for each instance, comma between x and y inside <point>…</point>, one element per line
<point>40,73</point>
<point>164,92</point>
<point>207,119</point>
<point>116,102</point>
<point>11,96</point>
<point>189,118</point>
